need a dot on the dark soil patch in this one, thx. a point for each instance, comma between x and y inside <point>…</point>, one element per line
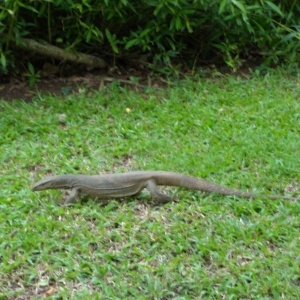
<point>19,88</point>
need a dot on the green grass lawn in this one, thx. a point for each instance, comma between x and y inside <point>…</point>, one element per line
<point>243,134</point>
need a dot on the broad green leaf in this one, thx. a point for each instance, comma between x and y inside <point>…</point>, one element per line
<point>88,36</point>
<point>239,5</point>
<point>145,32</point>
<point>3,60</point>
<point>275,8</point>
<point>178,23</point>
<point>188,26</point>
<point>131,43</point>
<point>222,6</point>
<point>158,8</point>
<point>27,7</point>
<point>108,35</point>
<point>31,68</point>
<point>112,41</point>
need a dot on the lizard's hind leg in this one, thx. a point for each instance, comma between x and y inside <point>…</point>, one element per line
<point>155,193</point>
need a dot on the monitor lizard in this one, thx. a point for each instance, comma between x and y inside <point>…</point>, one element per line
<point>131,183</point>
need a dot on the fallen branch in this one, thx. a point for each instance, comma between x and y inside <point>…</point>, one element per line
<point>54,52</point>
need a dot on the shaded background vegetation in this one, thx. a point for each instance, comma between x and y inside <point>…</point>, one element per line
<point>162,34</point>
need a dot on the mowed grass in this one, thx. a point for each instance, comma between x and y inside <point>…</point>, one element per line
<point>241,133</point>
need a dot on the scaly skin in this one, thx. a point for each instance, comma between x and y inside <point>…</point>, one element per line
<point>132,183</point>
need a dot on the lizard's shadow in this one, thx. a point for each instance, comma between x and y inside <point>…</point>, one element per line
<point>143,198</point>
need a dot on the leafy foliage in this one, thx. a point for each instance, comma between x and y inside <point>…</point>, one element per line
<point>200,29</point>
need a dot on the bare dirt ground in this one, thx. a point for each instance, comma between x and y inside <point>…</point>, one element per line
<point>18,87</point>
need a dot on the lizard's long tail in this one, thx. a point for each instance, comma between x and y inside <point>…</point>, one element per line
<point>194,183</point>
<point>209,187</point>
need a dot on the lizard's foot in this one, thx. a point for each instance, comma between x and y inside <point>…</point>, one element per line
<point>162,198</point>
<point>73,197</point>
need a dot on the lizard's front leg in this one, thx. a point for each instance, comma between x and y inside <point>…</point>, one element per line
<point>73,197</point>
<point>155,193</point>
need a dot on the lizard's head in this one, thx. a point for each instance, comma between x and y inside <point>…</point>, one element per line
<point>52,182</point>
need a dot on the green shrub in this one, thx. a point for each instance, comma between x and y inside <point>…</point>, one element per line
<point>201,29</point>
